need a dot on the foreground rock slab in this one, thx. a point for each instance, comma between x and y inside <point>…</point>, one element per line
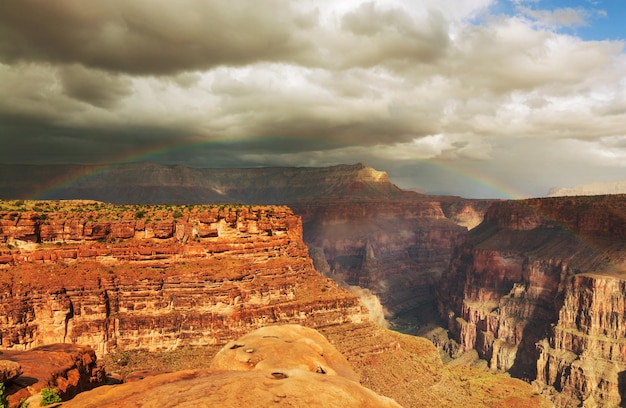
<point>273,366</point>
<point>288,347</point>
<point>261,388</point>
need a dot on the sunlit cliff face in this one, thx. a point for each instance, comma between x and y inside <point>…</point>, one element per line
<point>370,174</point>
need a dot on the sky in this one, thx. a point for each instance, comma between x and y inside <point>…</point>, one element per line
<point>480,98</point>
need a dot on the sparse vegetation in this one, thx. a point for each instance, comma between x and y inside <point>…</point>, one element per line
<point>125,362</point>
<point>3,398</point>
<point>49,396</point>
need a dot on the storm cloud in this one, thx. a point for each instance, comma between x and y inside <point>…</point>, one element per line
<point>407,86</point>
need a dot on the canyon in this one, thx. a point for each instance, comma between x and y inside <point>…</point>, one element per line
<point>360,228</point>
<point>538,290</point>
<point>120,279</point>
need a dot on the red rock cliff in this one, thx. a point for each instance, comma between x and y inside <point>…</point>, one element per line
<point>538,290</point>
<point>398,250</point>
<point>159,277</point>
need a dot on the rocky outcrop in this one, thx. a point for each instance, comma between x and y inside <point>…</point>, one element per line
<point>283,348</point>
<point>9,370</point>
<point>537,290</point>
<point>585,359</point>
<point>288,365</point>
<point>68,368</point>
<point>155,278</point>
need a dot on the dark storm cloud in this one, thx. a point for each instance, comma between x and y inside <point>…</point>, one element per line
<point>96,88</point>
<point>392,83</point>
<point>35,140</point>
<point>150,36</point>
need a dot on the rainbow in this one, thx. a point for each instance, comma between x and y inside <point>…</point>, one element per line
<point>89,171</point>
<point>488,182</point>
<point>485,182</point>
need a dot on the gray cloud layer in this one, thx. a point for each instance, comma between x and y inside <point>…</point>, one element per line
<point>440,94</point>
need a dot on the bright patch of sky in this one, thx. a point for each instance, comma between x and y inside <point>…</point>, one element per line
<point>591,20</point>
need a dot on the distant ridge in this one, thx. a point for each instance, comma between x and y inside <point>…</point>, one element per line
<point>151,183</point>
<point>611,187</point>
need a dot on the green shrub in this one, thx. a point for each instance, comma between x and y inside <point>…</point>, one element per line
<point>49,396</point>
<point>3,397</point>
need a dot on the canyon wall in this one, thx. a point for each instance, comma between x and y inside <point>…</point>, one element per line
<point>397,250</point>
<point>361,229</point>
<point>158,277</point>
<point>538,290</point>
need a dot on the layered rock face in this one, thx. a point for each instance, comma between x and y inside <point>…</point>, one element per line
<point>585,358</point>
<point>123,277</point>
<point>538,290</point>
<point>361,228</point>
<point>397,250</point>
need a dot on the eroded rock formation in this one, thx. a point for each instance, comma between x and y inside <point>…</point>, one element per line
<point>538,290</point>
<point>68,368</point>
<point>397,250</point>
<point>124,277</point>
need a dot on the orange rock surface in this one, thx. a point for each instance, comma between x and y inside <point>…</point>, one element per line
<point>273,366</point>
<point>156,278</point>
<point>68,368</point>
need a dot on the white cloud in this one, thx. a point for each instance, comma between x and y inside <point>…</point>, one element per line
<point>318,83</point>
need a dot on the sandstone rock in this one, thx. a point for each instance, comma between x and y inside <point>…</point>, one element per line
<point>284,347</point>
<point>69,368</point>
<point>127,291</point>
<point>9,370</point>
<point>288,365</point>
<point>234,389</point>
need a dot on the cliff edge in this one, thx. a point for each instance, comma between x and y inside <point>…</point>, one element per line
<point>538,289</point>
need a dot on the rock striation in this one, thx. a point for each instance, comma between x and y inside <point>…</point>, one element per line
<point>362,229</point>
<point>397,250</point>
<point>156,278</point>
<point>538,290</point>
